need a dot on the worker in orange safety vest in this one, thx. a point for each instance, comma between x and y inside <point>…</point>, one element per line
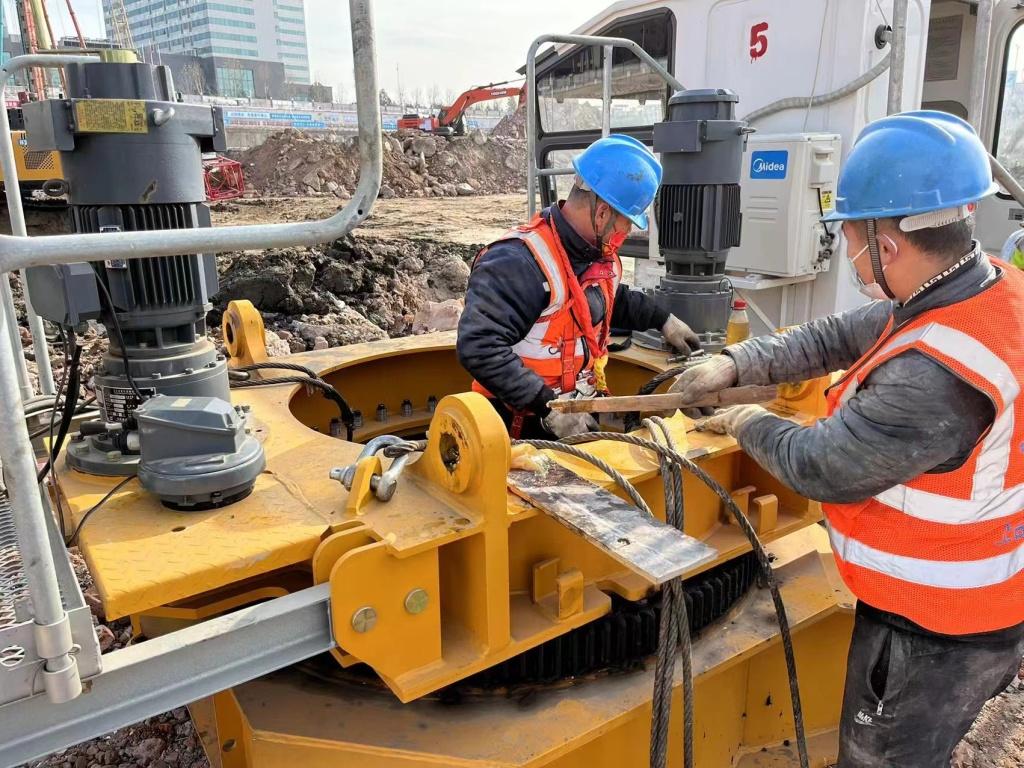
<point>542,300</point>
<point>920,461</point>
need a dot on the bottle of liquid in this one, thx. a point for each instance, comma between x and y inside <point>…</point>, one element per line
<point>738,328</point>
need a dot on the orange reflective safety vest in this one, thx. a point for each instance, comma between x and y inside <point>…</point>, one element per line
<point>564,346</point>
<point>947,550</point>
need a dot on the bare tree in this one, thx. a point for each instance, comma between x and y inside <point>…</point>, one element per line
<point>418,97</point>
<point>385,99</point>
<point>434,95</point>
<point>449,96</point>
<point>194,80</point>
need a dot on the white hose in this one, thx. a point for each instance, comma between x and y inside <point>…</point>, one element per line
<point>806,102</point>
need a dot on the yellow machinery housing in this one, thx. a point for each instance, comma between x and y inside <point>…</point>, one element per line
<point>34,167</point>
<point>456,586</point>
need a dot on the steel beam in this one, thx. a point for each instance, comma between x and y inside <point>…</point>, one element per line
<point>170,671</point>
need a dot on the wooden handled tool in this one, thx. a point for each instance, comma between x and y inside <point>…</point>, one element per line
<point>667,402</point>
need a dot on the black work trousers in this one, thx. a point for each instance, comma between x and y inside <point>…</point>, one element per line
<point>911,695</point>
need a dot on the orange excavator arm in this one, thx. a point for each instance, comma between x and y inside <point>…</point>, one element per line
<point>448,115</point>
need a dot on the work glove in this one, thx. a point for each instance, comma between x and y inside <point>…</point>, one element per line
<point>565,424</point>
<point>729,421</point>
<point>679,335</point>
<point>699,381</point>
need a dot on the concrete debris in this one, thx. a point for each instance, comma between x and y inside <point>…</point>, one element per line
<point>293,163</point>
<point>512,126</point>
<point>438,316</point>
<point>276,346</point>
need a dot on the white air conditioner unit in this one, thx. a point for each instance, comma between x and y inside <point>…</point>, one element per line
<point>788,181</point>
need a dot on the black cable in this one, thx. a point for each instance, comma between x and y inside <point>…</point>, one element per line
<point>49,427</point>
<point>78,528</point>
<point>631,420</point>
<point>120,338</point>
<point>68,413</point>
<point>347,417</point>
<point>282,366</point>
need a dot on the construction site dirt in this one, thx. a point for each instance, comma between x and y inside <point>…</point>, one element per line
<point>403,270</point>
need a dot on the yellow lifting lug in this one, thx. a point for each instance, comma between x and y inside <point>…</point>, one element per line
<point>362,491</point>
<point>244,334</point>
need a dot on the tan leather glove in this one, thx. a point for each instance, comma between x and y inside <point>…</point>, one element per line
<point>696,383</point>
<point>729,421</point>
<point>679,335</point>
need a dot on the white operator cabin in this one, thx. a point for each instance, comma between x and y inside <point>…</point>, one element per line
<point>766,50</point>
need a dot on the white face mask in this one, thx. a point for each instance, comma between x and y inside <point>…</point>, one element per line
<point>871,290</point>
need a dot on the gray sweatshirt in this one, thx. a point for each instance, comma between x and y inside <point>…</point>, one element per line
<point>911,416</point>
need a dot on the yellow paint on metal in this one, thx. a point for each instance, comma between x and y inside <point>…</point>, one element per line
<point>34,166</point>
<point>143,555</point>
<point>399,643</point>
<point>452,525</point>
<point>117,55</point>
<point>111,116</point>
<point>244,334</point>
<point>742,714</point>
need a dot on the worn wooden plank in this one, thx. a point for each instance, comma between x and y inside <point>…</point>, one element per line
<point>647,546</point>
<point>666,402</point>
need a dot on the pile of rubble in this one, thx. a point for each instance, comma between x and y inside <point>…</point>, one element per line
<point>356,289</point>
<point>512,125</point>
<point>293,163</point>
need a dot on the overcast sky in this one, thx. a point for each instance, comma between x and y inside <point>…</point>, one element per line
<point>452,44</point>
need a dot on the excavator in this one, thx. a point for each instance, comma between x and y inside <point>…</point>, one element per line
<point>451,120</point>
<point>340,558</point>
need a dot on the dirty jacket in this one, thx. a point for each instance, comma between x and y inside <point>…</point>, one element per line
<point>910,417</point>
<point>507,292</point>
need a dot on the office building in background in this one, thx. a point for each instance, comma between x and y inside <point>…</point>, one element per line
<point>237,48</point>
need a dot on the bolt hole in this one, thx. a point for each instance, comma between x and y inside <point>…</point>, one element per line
<point>449,450</point>
<point>624,542</point>
<point>228,745</point>
<point>178,529</point>
<point>229,333</point>
<point>359,212</point>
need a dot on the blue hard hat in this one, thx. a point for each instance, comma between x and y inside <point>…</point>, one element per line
<point>621,171</point>
<point>911,163</point>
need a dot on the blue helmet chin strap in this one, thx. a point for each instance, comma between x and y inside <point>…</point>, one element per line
<point>876,259</point>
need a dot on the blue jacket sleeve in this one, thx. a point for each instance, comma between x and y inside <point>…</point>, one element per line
<point>505,296</point>
<point>636,311</point>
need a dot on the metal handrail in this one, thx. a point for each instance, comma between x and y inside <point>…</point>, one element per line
<point>21,252</point>
<point>52,632</point>
<point>607,43</point>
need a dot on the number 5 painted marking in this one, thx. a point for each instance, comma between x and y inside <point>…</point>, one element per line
<point>758,40</point>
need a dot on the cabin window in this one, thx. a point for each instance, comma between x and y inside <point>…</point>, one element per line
<point>569,91</point>
<point>1009,141</point>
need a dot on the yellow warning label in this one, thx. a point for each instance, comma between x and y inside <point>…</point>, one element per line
<point>826,200</point>
<point>111,116</point>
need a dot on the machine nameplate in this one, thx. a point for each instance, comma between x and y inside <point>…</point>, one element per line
<point>111,116</point>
